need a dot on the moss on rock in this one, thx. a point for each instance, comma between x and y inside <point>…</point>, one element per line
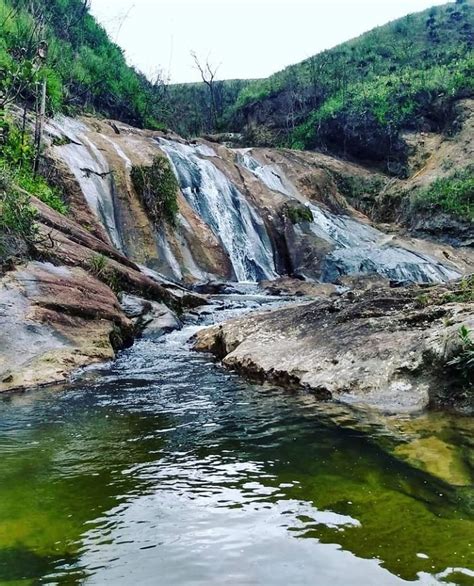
<point>157,187</point>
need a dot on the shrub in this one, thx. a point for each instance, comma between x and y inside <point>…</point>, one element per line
<point>17,156</point>
<point>453,194</point>
<point>298,214</point>
<point>464,360</point>
<point>355,187</point>
<point>157,187</point>
<point>97,265</point>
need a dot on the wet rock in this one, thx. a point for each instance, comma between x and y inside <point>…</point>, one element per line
<point>64,242</point>
<point>295,287</point>
<point>386,348</point>
<point>214,288</point>
<point>151,319</point>
<point>54,320</point>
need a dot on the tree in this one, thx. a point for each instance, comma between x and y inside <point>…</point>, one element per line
<point>208,74</point>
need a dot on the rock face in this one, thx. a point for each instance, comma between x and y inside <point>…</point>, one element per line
<point>381,347</point>
<point>54,320</point>
<point>244,214</point>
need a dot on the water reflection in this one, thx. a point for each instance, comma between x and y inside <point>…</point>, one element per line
<point>164,468</point>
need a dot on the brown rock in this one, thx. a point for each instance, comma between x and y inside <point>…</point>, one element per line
<point>54,320</point>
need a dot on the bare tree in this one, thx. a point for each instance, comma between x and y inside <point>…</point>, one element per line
<point>208,75</point>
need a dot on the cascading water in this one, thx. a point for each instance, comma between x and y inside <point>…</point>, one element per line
<point>267,174</point>
<point>358,247</point>
<point>90,170</point>
<point>220,204</point>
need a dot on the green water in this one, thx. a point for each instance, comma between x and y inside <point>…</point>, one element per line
<point>165,469</point>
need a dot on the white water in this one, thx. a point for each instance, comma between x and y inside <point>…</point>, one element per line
<point>269,175</point>
<point>358,247</point>
<point>226,211</point>
<point>90,170</point>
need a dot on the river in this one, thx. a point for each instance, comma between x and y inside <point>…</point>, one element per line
<point>163,468</point>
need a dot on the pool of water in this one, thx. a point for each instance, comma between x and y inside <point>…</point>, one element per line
<point>163,468</point>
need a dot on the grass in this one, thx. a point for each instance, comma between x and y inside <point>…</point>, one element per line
<point>157,187</point>
<point>453,194</point>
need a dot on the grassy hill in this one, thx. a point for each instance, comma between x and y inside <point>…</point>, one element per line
<point>84,68</point>
<point>357,98</point>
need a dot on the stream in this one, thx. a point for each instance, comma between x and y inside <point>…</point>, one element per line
<point>164,468</point>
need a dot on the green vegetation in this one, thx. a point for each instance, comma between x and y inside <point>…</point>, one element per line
<point>464,292</point>
<point>98,265</point>
<point>298,214</point>
<point>186,107</point>
<point>464,360</point>
<point>17,182</point>
<point>453,194</point>
<point>157,187</point>
<point>83,68</point>
<point>17,156</point>
<point>357,187</point>
<point>357,98</point>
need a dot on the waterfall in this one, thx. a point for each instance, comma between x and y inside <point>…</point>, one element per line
<point>358,247</point>
<point>225,210</point>
<point>268,174</point>
<point>91,171</point>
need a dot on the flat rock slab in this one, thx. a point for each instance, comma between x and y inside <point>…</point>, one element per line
<point>54,320</point>
<point>383,347</point>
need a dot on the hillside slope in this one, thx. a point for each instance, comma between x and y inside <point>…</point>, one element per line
<point>356,99</point>
<point>85,70</point>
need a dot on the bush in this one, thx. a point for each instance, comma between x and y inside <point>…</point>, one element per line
<point>17,156</point>
<point>453,194</point>
<point>464,360</point>
<point>157,187</point>
<point>298,214</point>
<point>84,70</point>
<point>98,266</point>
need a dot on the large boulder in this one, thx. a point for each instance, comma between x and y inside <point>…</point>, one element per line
<point>150,319</point>
<point>54,320</point>
<point>387,348</point>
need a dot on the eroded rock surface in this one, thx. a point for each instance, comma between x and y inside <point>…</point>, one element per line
<point>386,348</point>
<point>150,319</point>
<point>54,320</point>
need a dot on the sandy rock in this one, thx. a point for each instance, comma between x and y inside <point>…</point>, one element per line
<point>54,320</point>
<point>381,348</point>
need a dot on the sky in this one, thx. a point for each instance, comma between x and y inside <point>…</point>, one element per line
<point>243,38</point>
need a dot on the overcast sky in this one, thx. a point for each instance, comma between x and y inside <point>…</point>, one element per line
<point>248,38</point>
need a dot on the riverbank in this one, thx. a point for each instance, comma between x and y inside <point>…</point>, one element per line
<point>390,348</point>
<point>162,463</point>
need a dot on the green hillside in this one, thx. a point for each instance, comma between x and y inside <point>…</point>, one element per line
<point>356,98</point>
<point>84,69</point>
